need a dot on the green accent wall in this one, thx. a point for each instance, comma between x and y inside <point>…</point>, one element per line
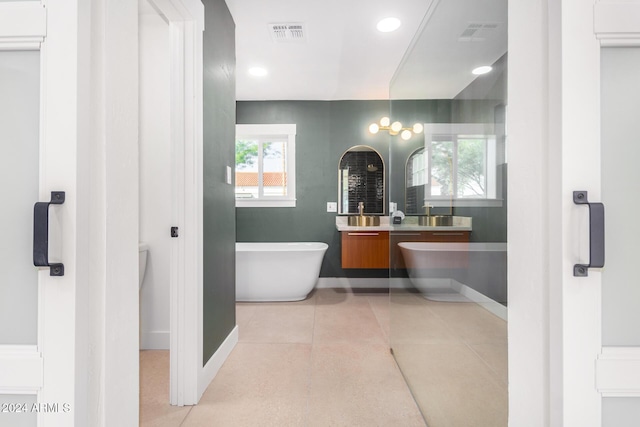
<point>218,152</point>
<point>326,129</point>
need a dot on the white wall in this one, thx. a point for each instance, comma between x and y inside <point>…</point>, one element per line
<point>155,179</point>
<point>108,229</point>
<point>527,281</point>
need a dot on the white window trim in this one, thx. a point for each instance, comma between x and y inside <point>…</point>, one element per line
<point>432,131</point>
<point>288,130</point>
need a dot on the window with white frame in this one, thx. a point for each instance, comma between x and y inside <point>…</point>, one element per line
<point>265,165</point>
<point>462,167</point>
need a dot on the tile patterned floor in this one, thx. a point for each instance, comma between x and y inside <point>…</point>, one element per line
<point>320,362</point>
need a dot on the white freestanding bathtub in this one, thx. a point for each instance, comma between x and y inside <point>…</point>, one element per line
<point>277,271</point>
<point>457,271</point>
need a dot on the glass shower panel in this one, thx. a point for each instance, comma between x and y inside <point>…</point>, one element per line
<point>448,258</point>
<point>19,136</point>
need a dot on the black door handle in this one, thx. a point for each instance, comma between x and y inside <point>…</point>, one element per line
<point>596,235</point>
<point>41,234</point>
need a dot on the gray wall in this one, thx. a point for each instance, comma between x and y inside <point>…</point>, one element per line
<point>219,152</point>
<point>325,130</point>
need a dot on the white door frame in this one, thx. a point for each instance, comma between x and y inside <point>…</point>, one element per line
<point>79,359</point>
<point>558,371</point>
<point>54,369</point>
<point>186,24</point>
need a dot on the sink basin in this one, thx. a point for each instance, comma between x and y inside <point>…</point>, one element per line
<point>436,220</point>
<point>363,221</point>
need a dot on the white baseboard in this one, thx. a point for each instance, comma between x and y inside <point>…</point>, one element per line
<point>213,365</point>
<point>485,302</point>
<point>21,369</point>
<point>618,372</point>
<point>354,283</point>
<point>453,291</point>
<point>155,340</point>
<point>404,283</point>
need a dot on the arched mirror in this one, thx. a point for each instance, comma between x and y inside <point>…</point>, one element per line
<point>416,177</point>
<point>361,179</point>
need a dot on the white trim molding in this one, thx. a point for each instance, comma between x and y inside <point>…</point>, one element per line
<point>617,23</point>
<point>288,133</point>
<point>618,372</point>
<point>186,22</point>
<point>356,283</point>
<point>23,25</point>
<point>20,369</point>
<point>210,370</point>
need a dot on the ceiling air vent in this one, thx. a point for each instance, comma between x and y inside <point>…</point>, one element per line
<point>287,32</point>
<point>477,31</point>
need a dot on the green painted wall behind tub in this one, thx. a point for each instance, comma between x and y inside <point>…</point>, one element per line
<point>324,131</point>
<point>219,200</point>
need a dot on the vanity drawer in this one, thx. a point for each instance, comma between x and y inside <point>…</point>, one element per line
<point>365,249</point>
<point>444,236</point>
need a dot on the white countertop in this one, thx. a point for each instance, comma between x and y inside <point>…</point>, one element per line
<point>410,223</point>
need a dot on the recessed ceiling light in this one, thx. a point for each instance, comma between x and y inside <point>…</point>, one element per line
<point>481,70</point>
<point>388,24</point>
<point>258,71</point>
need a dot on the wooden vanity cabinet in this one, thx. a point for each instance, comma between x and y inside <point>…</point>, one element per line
<point>365,249</point>
<point>370,249</point>
<point>397,261</point>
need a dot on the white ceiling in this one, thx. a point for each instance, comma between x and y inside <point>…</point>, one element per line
<point>345,57</point>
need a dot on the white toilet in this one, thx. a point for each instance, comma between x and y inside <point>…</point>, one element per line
<point>143,250</point>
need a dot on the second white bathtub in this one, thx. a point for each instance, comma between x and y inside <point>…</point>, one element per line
<point>438,270</point>
<point>277,271</point>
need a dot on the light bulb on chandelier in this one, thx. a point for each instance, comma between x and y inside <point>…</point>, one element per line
<point>395,128</point>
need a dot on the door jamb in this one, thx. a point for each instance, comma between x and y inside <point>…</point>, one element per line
<point>186,24</point>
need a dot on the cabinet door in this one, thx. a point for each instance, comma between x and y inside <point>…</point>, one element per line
<point>365,249</point>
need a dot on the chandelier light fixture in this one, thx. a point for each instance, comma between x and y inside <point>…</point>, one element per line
<point>395,128</point>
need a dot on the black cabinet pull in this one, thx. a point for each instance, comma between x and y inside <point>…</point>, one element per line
<point>596,235</point>
<point>41,234</point>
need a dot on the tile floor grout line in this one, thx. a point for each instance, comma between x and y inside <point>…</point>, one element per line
<point>248,321</point>
<point>310,370</point>
<point>184,420</point>
<point>375,315</point>
<point>314,384</point>
<point>451,330</point>
<point>493,371</point>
